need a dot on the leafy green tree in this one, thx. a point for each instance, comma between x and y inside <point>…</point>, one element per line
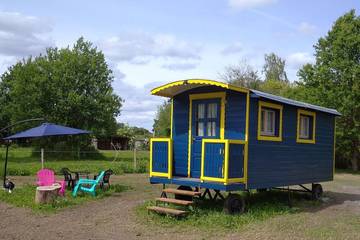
<point>70,86</point>
<point>334,81</point>
<point>162,120</point>
<point>276,87</point>
<point>274,68</point>
<point>242,74</point>
<point>125,130</point>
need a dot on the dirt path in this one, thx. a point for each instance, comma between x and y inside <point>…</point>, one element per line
<point>114,217</point>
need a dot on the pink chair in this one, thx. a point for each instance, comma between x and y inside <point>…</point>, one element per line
<point>46,177</point>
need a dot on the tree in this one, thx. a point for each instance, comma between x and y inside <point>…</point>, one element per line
<point>162,120</point>
<point>274,68</point>
<point>334,81</point>
<point>125,130</point>
<point>276,87</point>
<point>70,86</point>
<point>242,75</point>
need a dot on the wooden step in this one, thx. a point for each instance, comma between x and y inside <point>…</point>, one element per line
<point>168,211</point>
<point>181,192</point>
<point>175,201</point>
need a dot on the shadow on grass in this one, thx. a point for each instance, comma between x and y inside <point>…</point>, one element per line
<point>331,198</point>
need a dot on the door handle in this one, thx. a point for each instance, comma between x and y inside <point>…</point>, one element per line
<point>221,151</point>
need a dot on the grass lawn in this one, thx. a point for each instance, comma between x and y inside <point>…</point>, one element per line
<point>26,162</point>
<point>24,197</point>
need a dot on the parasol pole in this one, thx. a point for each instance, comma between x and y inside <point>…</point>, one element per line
<point>42,158</point>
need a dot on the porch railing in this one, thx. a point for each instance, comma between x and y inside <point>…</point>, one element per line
<point>161,150</point>
<point>224,160</point>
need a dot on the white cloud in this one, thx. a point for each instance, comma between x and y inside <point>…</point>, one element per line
<point>298,59</point>
<point>306,28</point>
<point>139,107</point>
<point>141,48</point>
<point>236,47</point>
<point>22,35</point>
<point>249,4</point>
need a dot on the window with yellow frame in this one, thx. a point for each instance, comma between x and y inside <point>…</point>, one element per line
<point>306,126</point>
<point>269,121</point>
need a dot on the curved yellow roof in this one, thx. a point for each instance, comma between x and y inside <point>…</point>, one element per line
<point>174,88</point>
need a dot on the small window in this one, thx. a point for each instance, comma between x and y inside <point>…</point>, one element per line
<point>270,121</point>
<point>200,117</point>
<point>212,110</point>
<point>211,129</point>
<point>267,122</point>
<point>200,129</point>
<point>201,111</point>
<point>305,127</point>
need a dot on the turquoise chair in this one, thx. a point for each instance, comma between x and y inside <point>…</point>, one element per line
<point>90,185</point>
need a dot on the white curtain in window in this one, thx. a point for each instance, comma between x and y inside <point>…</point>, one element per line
<point>211,129</point>
<point>304,126</point>
<point>212,110</point>
<point>201,111</point>
<point>267,122</point>
<point>200,130</point>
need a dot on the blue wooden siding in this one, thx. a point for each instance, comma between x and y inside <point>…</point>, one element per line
<point>285,163</point>
<point>180,135</point>
<point>160,157</point>
<point>214,160</point>
<point>270,163</point>
<point>235,115</point>
<point>236,160</point>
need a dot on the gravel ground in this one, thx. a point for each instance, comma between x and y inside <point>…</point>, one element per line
<point>114,217</point>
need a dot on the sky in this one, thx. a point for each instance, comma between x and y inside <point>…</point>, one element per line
<point>149,43</point>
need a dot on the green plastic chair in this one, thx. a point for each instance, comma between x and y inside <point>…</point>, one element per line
<point>89,189</point>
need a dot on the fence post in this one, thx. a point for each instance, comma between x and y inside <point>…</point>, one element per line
<point>134,158</point>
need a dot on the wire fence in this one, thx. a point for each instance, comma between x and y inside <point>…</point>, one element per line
<point>27,161</point>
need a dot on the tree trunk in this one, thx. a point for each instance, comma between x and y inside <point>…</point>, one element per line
<point>46,194</point>
<point>355,159</point>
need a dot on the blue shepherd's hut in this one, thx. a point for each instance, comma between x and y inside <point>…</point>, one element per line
<point>230,138</point>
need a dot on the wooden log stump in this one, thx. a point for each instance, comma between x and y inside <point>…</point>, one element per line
<point>46,194</point>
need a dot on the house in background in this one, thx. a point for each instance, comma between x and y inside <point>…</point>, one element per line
<point>110,143</point>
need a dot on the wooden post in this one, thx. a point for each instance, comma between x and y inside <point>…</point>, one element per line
<point>134,157</point>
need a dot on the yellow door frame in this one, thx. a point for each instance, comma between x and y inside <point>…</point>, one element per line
<point>222,95</point>
<point>198,96</point>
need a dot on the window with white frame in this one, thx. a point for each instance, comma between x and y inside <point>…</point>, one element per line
<point>304,128</point>
<point>267,122</point>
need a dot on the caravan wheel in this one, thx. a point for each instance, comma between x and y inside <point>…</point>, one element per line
<point>234,204</point>
<point>184,197</point>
